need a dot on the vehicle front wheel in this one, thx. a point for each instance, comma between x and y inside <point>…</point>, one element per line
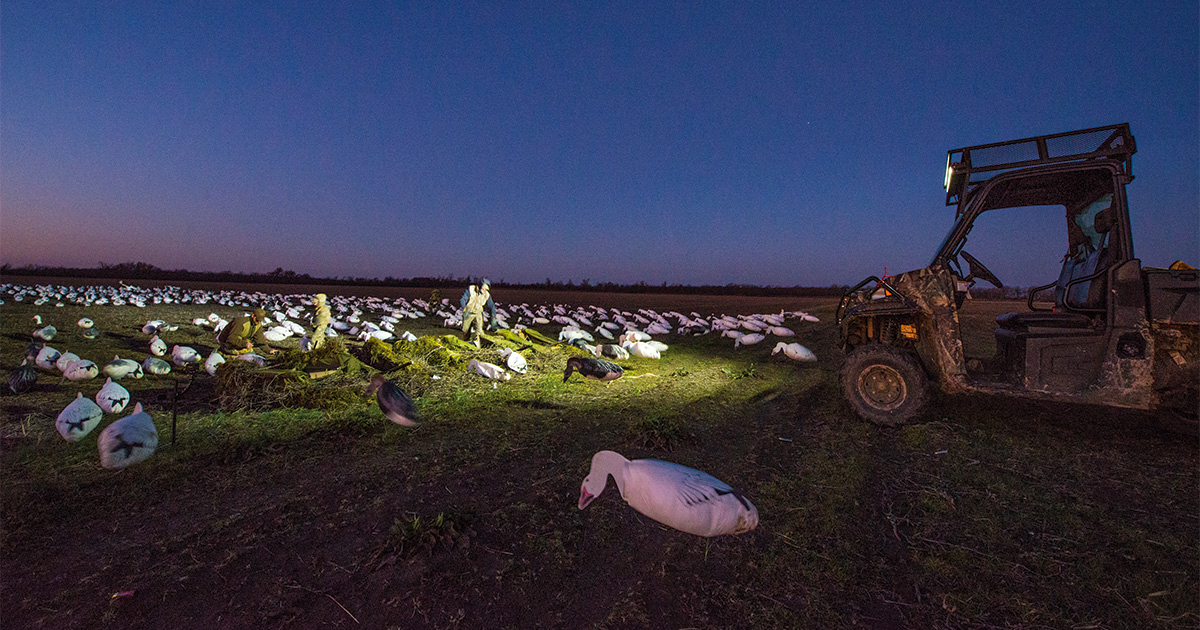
<point>884,385</point>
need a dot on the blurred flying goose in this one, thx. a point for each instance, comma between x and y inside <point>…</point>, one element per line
<point>393,402</point>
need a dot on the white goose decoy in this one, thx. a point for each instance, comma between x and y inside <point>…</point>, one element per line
<point>81,370</point>
<point>215,359</point>
<point>158,347</point>
<point>676,496</point>
<point>129,440</point>
<point>45,333</point>
<point>489,370</point>
<point>47,358</point>
<point>794,351</point>
<point>643,350</point>
<point>156,366</point>
<point>64,360</point>
<point>112,398</point>
<point>85,323</point>
<point>78,418</point>
<point>748,340</point>
<point>256,359</point>
<point>184,355</point>
<point>119,368</point>
<point>780,331</point>
<point>514,360</point>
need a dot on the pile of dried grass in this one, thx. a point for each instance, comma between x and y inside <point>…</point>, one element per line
<point>243,386</point>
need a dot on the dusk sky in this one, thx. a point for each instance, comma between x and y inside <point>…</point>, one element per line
<point>789,143</point>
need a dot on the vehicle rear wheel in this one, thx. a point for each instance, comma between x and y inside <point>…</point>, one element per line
<point>884,385</point>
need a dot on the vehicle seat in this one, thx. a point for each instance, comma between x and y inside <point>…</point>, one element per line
<point>1086,295</point>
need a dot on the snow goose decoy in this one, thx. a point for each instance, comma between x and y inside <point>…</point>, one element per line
<point>129,440</point>
<point>643,350</point>
<point>112,398</point>
<point>514,360</point>
<point>597,369</point>
<point>119,368</point>
<point>184,355</point>
<point>158,347</point>
<point>393,402</point>
<point>748,340</point>
<point>489,370</point>
<point>78,418</point>
<point>794,351</point>
<point>65,359</point>
<point>81,370</point>
<point>676,496</point>
<point>46,333</point>
<point>210,364</point>
<point>47,358</point>
<point>156,366</point>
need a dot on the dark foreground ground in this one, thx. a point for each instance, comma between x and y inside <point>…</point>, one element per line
<point>984,513</point>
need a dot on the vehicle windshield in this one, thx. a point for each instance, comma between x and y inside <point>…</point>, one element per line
<point>1025,241</point>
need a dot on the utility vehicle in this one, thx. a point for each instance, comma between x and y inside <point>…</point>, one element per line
<point>1107,332</point>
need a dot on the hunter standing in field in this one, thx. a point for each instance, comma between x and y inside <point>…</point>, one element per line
<point>320,321</point>
<point>240,335</point>
<point>473,301</point>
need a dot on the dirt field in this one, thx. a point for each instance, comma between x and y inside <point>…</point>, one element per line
<point>982,514</point>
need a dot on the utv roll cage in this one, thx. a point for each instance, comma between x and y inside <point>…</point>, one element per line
<point>965,167</point>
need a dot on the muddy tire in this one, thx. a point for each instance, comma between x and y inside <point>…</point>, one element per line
<point>884,385</point>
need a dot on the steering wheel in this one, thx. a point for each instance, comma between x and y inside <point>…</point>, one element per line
<point>979,271</point>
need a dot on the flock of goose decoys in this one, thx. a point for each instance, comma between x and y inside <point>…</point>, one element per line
<point>677,496</point>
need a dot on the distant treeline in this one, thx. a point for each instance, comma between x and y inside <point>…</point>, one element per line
<point>146,271</point>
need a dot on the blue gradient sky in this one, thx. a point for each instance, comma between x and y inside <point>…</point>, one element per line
<point>697,143</point>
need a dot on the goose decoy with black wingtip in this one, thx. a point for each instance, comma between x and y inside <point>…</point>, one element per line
<point>684,498</point>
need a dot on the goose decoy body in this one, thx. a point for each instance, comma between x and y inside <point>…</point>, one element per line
<point>81,370</point>
<point>393,402</point>
<point>593,368</point>
<point>119,368</point>
<point>212,362</point>
<point>489,370</point>
<point>128,441</point>
<point>47,358</point>
<point>22,377</point>
<point>65,359</point>
<point>683,498</point>
<point>749,340</point>
<point>794,351</point>
<point>514,360</point>
<point>112,398</point>
<point>642,350</point>
<point>78,418</point>
<point>156,366</point>
<point>184,355</point>
<point>46,333</point>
